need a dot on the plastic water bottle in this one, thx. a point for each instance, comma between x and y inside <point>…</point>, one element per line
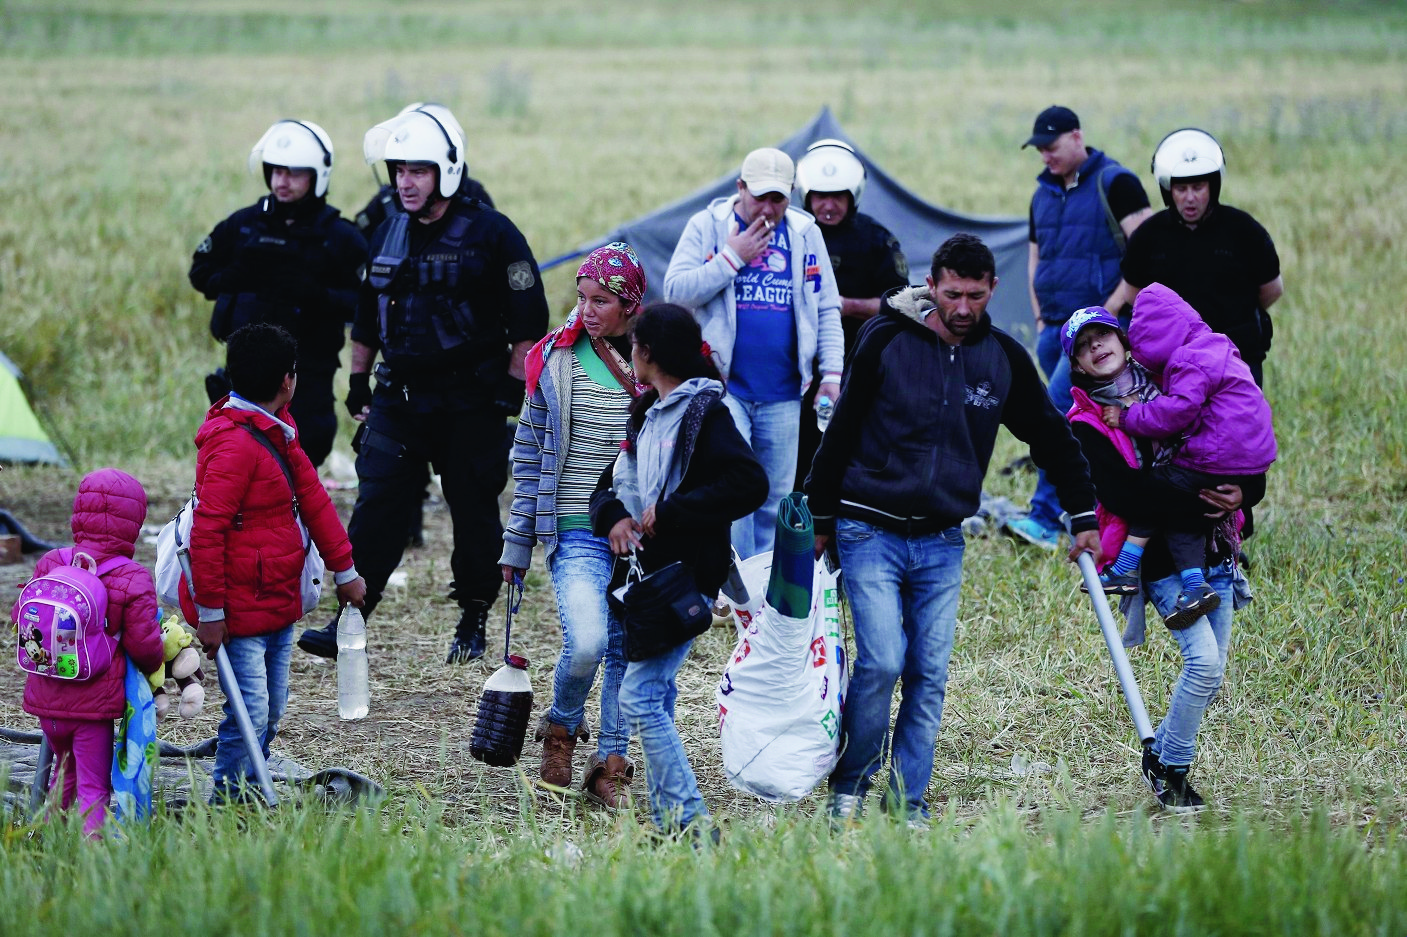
<point>824,408</point>
<point>501,726</point>
<point>353,695</point>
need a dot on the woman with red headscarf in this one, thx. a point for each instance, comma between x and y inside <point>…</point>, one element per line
<point>579,388</point>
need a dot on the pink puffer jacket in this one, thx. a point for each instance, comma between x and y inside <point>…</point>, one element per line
<point>108,512</point>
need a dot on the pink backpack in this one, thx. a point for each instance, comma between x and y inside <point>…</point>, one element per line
<point>62,620</point>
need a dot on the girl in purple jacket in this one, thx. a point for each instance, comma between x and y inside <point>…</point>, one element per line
<point>77,716</point>
<point>1176,381</point>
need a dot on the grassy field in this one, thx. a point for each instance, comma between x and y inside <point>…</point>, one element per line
<point>125,131</point>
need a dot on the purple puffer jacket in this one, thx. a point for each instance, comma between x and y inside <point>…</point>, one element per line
<point>107,519</point>
<point>1208,392</point>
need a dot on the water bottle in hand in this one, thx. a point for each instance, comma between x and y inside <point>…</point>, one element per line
<point>353,695</point>
<point>824,408</point>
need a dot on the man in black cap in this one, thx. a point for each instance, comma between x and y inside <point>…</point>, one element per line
<point>1085,208</point>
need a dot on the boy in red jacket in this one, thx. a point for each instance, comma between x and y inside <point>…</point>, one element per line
<point>246,547</point>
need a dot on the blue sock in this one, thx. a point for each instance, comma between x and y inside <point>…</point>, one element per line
<point>1192,579</point>
<point>1129,557</point>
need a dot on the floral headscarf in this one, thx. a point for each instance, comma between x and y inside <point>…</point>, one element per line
<point>617,269</point>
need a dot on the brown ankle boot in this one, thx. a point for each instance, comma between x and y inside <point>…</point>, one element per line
<point>558,744</point>
<point>608,782</point>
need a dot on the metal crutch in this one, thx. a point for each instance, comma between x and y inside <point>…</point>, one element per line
<point>1113,640</point>
<point>43,770</point>
<point>226,675</point>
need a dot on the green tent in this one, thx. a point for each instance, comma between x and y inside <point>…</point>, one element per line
<point>22,439</point>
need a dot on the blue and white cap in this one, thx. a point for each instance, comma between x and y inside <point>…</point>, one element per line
<point>1090,315</point>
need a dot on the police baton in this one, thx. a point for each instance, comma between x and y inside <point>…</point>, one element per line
<point>226,675</point>
<point>1113,639</point>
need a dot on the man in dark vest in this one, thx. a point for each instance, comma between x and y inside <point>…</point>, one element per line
<point>292,260</point>
<point>452,303</point>
<point>1085,208</point>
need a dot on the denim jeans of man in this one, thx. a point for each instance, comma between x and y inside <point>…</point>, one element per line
<point>1204,645</point>
<point>772,430</point>
<point>260,666</point>
<point>593,638</point>
<point>1045,506</point>
<point>903,594</point>
<point>647,695</point>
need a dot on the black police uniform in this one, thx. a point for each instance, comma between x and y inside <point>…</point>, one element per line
<point>868,262</point>
<point>296,265</point>
<point>442,303</point>
<point>1218,267</point>
<point>384,204</point>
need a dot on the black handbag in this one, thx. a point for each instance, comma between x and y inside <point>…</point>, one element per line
<point>662,610</point>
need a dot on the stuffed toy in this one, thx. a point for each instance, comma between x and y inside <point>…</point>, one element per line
<point>183,666</point>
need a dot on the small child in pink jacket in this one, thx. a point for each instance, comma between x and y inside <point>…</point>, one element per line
<point>77,716</point>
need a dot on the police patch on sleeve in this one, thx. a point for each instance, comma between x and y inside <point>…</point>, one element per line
<point>520,275</point>
<point>205,246</point>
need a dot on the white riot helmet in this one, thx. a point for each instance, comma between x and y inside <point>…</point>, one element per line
<point>830,166</point>
<point>1188,154</point>
<point>418,137</point>
<point>294,144</point>
<point>440,113</point>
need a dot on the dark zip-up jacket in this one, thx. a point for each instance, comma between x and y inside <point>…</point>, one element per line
<point>913,431</point>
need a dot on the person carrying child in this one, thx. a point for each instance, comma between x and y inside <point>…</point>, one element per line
<point>76,716</point>
<point>1131,495</point>
<point>684,476</point>
<point>253,482</point>
<point>1177,382</point>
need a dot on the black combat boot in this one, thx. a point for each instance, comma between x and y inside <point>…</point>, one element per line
<point>469,634</point>
<point>321,642</point>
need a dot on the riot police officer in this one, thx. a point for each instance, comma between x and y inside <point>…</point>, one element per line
<point>867,259</point>
<point>292,260</point>
<point>452,303</point>
<point>384,203</point>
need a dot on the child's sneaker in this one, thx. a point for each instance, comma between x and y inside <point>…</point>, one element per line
<point>1117,583</point>
<point>1191,605</point>
<point>1153,773</point>
<point>1177,795</point>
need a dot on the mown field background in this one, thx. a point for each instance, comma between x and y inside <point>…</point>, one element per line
<point>124,128</point>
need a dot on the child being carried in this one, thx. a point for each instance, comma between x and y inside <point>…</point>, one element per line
<point>1211,421</point>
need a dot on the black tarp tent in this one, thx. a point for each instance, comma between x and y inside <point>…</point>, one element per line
<point>919,226</point>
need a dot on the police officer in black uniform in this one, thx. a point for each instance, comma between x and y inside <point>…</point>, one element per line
<point>867,259</point>
<point>292,260</point>
<point>384,204</point>
<point>453,301</point>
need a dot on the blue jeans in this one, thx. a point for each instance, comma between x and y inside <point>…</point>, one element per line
<point>260,666</point>
<point>903,594</point>
<point>1204,646</point>
<point>591,635</point>
<point>772,430</point>
<point>1045,506</point>
<point>647,697</point>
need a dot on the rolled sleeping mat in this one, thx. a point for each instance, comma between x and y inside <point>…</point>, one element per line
<point>793,558</point>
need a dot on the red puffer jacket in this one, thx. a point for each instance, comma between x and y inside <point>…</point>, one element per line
<point>246,549</point>
<point>107,519</point>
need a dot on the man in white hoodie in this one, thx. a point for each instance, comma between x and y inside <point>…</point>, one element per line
<point>758,276</point>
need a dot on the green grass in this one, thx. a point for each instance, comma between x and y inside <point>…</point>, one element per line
<point>125,131</point>
<point>306,872</point>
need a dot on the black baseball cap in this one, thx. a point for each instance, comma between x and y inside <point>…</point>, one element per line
<point>1051,123</point>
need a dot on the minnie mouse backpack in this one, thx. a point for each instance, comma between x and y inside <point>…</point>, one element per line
<point>62,620</point>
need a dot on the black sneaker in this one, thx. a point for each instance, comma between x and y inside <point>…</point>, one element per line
<point>320,642</point>
<point>1191,605</point>
<point>469,635</point>
<point>1178,795</point>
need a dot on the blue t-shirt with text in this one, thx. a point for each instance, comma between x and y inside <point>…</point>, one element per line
<point>764,367</point>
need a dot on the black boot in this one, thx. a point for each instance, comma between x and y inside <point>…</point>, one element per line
<point>321,642</point>
<point>469,634</point>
